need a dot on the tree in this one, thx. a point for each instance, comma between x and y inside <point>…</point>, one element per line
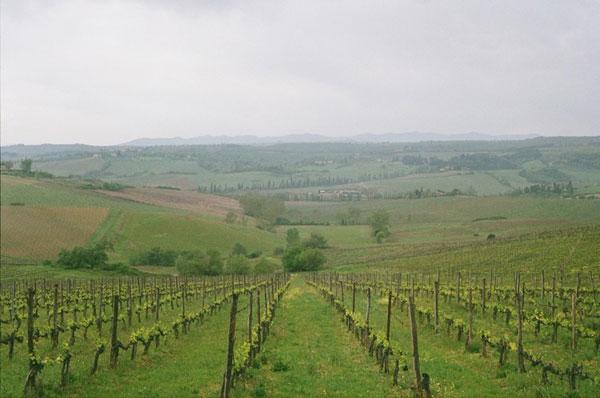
<point>215,263</point>
<point>231,218</point>
<point>311,259</point>
<point>380,223</point>
<point>297,259</point>
<point>293,237</point>
<point>316,241</point>
<point>237,264</point>
<point>190,264</point>
<point>199,264</point>
<point>94,256</point>
<point>265,266</point>
<point>267,208</point>
<point>26,165</point>
<point>155,256</point>
<point>238,250</point>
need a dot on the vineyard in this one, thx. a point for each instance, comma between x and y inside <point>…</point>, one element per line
<point>537,327</point>
<point>428,334</point>
<point>57,332</point>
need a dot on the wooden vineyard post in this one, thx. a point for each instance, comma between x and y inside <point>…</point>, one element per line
<point>228,377</point>
<point>415,344</point>
<point>183,306</point>
<point>543,284</point>
<point>520,353</point>
<point>483,297</point>
<point>258,317</point>
<point>573,322</point>
<point>436,303</point>
<point>130,303</point>
<point>250,303</point>
<point>367,317</point>
<point>553,292</point>
<point>389,316</point>
<point>114,345</point>
<point>458,288</point>
<point>157,341</point>
<point>353,296</point>
<point>54,333</point>
<point>470,326</point>
<point>33,365</point>
<point>342,287</point>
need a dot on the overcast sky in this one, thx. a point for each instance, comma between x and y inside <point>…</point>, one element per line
<point>106,72</point>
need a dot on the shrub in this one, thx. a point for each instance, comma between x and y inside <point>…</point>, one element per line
<point>238,265</point>
<point>155,256</point>
<point>84,257</point>
<point>316,241</point>
<point>255,253</point>
<point>231,217</point>
<point>280,366</point>
<point>199,264</point>
<point>238,250</point>
<point>297,259</point>
<point>292,237</point>
<point>264,266</point>
<point>380,223</point>
<point>267,208</point>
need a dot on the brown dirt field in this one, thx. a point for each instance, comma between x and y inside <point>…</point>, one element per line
<point>184,200</point>
<point>39,233</point>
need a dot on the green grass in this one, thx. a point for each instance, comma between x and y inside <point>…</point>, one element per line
<point>135,232</point>
<point>322,358</point>
<point>575,250</point>
<point>134,227</point>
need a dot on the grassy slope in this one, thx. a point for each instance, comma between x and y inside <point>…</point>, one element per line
<point>133,226</point>
<point>323,359</point>
<point>576,250</point>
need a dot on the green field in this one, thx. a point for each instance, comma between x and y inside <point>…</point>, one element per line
<point>316,344</point>
<point>33,231</point>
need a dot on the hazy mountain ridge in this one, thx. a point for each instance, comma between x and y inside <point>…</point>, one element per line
<point>316,138</point>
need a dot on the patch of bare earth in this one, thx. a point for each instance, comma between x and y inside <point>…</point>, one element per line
<point>184,200</point>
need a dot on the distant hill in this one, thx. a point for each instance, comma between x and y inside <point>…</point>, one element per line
<point>316,138</point>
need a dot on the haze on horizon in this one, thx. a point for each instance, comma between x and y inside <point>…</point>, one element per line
<point>110,72</point>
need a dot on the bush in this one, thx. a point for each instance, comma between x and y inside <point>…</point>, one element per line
<point>238,250</point>
<point>238,265</point>
<point>255,253</point>
<point>231,217</point>
<point>198,263</point>
<point>155,256</point>
<point>292,237</point>
<point>297,259</point>
<point>380,223</point>
<point>267,208</point>
<point>280,366</point>
<point>316,241</point>
<point>84,257</point>
<point>278,251</point>
<point>264,266</point>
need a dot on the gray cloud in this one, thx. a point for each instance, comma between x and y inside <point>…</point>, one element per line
<point>107,72</point>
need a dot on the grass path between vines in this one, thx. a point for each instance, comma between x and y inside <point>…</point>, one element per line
<point>322,358</point>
